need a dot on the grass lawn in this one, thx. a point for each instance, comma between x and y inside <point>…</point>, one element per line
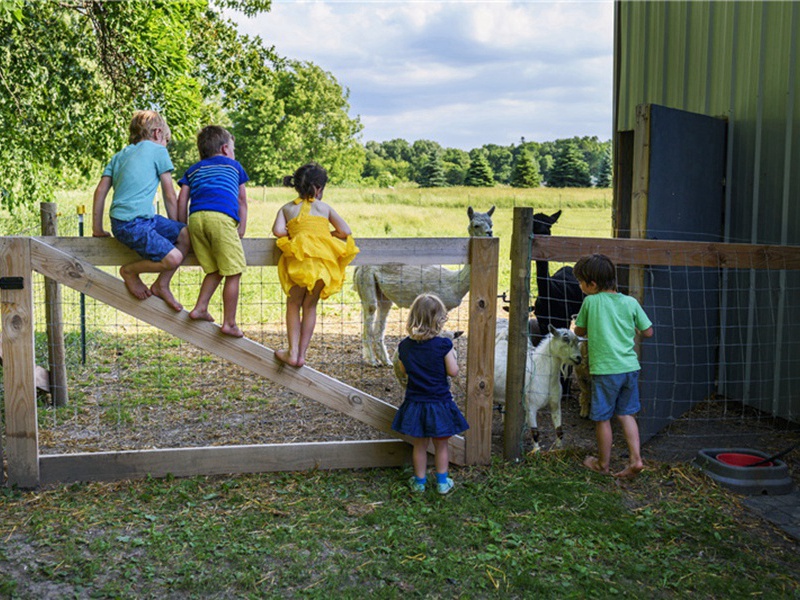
<point>543,528</point>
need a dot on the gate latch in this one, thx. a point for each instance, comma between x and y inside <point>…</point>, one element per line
<point>11,283</point>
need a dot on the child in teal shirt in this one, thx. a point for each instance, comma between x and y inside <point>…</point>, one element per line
<point>135,173</point>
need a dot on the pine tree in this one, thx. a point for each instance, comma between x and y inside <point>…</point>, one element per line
<point>605,174</point>
<point>432,173</point>
<point>479,173</point>
<point>569,169</point>
<point>526,172</point>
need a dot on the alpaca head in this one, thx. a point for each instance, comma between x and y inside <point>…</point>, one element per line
<point>542,223</point>
<point>480,224</point>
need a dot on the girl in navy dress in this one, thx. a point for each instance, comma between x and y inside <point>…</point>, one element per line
<point>428,411</point>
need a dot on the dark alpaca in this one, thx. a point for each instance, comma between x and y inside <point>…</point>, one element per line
<point>559,297</point>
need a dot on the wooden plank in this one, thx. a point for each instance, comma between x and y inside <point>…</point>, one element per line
<point>668,253</point>
<point>641,171</point>
<point>264,252</point>
<point>244,352</point>
<point>520,282</point>
<point>56,352</point>
<point>18,373</point>
<point>480,349</point>
<point>223,460</point>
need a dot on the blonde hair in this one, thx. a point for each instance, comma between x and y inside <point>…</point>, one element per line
<point>144,124</point>
<point>426,317</point>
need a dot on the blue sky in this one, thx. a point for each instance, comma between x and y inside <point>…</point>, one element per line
<point>462,73</point>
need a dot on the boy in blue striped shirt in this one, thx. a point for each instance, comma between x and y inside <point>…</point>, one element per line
<point>214,196</point>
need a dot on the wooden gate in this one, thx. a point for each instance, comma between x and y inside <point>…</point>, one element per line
<point>71,261</point>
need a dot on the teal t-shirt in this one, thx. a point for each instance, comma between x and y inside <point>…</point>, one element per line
<point>135,173</point>
<point>611,321</point>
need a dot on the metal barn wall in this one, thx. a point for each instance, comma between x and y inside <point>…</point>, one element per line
<point>738,60</point>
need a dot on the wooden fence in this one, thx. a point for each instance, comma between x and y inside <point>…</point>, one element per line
<point>631,256</point>
<point>73,262</point>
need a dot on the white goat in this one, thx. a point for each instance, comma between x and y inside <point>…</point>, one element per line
<point>380,286</point>
<point>543,366</point>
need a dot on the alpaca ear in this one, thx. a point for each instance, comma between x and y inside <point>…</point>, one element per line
<point>555,216</point>
<point>552,329</point>
<point>457,334</point>
<point>491,210</point>
<point>470,212</point>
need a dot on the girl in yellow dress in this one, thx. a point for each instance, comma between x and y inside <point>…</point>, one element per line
<point>314,257</point>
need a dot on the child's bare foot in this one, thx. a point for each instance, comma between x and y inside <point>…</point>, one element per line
<point>232,330</point>
<point>284,356</point>
<point>166,295</point>
<point>630,471</point>
<point>201,315</point>
<point>135,284</point>
<point>593,463</point>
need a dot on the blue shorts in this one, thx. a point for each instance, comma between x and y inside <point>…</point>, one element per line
<point>616,394</point>
<point>152,238</point>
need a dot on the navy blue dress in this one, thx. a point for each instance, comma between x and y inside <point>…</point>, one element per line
<point>428,409</point>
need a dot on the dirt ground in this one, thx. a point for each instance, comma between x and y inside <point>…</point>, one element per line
<point>221,404</point>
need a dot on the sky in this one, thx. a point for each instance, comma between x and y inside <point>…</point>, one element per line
<point>462,73</point>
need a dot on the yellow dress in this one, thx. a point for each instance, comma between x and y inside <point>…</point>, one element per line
<point>311,253</point>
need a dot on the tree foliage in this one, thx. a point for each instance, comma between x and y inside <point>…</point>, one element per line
<point>479,173</point>
<point>432,173</point>
<point>72,73</point>
<point>526,171</point>
<point>569,169</point>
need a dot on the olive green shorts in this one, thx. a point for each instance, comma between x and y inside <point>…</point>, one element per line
<point>216,242</point>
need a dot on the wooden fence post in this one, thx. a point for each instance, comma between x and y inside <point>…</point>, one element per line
<point>483,254</point>
<point>16,297</point>
<point>56,354</point>
<point>517,331</point>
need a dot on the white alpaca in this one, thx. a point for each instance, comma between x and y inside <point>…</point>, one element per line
<point>543,366</point>
<point>380,286</point>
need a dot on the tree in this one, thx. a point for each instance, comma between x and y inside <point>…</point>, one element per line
<point>420,154</point>
<point>456,163</point>
<point>479,173</point>
<point>298,114</point>
<point>605,173</point>
<point>526,172</point>
<point>77,70</point>
<point>501,160</point>
<point>569,169</point>
<point>432,174</point>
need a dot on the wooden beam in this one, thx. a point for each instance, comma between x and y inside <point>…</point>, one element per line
<point>263,251</point>
<point>56,352</point>
<point>520,281</point>
<point>222,460</point>
<point>244,352</point>
<point>18,375</point>
<point>480,349</point>
<point>668,253</point>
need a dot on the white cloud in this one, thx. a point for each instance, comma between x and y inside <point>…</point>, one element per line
<point>462,73</point>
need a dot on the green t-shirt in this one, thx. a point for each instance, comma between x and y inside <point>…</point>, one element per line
<point>611,321</point>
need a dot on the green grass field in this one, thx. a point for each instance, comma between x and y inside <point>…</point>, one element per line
<point>404,212</point>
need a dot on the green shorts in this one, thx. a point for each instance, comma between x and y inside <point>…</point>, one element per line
<point>216,242</point>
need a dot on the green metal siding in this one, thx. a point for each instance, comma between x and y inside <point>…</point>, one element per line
<point>738,60</point>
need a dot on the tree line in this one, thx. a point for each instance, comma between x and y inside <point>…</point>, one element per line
<point>73,72</point>
<point>574,162</point>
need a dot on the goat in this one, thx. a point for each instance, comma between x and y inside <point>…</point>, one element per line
<point>544,365</point>
<point>380,286</point>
